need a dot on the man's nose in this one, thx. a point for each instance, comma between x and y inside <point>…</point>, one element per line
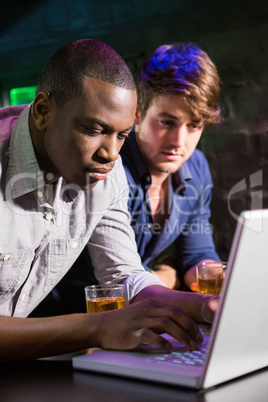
<point>178,136</point>
<point>109,149</point>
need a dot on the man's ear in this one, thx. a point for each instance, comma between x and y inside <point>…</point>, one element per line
<point>137,117</point>
<point>41,110</point>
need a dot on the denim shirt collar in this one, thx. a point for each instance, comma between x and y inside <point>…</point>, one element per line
<point>24,174</point>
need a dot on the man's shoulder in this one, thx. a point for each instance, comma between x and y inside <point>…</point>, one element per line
<point>197,160</point>
<point>198,157</point>
<point>11,111</point>
<point>8,117</point>
<point>197,167</point>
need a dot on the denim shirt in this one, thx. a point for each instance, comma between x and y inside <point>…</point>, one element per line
<point>41,236</point>
<point>188,225</point>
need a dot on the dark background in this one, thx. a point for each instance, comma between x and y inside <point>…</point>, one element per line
<point>233,32</point>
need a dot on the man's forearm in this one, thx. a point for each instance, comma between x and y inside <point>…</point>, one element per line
<point>28,338</point>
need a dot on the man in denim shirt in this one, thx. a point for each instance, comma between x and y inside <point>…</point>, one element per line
<point>169,180</point>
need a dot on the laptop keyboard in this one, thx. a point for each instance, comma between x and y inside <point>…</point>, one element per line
<point>194,358</point>
<point>182,356</point>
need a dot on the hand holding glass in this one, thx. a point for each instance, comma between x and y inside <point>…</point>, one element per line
<point>107,297</point>
<point>210,276</point>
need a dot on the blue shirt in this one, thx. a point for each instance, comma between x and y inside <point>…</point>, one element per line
<point>188,225</point>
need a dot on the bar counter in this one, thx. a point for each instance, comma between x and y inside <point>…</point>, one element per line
<point>54,379</point>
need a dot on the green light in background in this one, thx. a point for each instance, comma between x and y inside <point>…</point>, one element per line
<point>22,96</point>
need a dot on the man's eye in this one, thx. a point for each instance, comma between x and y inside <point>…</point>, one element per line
<point>92,131</point>
<point>122,136</point>
<point>195,126</point>
<point>167,122</point>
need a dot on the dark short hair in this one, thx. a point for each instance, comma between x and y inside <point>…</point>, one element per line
<point>63,75</point>
<point>181,69</point>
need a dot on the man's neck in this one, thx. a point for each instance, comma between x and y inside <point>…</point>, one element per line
<point>158,178</point>
<point>159,199</point>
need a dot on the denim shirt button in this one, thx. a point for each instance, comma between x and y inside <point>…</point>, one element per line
<point>48,216</point>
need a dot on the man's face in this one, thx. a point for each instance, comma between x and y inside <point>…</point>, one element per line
<point>167,135</point>
<point>83,138</point>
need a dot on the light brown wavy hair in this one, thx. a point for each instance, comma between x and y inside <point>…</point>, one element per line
<point>185,70</point>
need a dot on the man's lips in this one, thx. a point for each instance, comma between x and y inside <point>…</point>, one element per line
<point>172,155</point>
<point>98,174</point>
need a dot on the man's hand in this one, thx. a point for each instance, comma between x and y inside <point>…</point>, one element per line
<point>200,307</point>
<point>143,321</point>
<point>168,275</point>
<point>209,307</point>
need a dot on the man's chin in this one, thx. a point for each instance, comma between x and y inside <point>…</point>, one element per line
<point>170,169</point>
<point>89,186</point>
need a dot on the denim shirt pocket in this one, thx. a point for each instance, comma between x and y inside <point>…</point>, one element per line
<point>61,254</point>
<point>14,268</point>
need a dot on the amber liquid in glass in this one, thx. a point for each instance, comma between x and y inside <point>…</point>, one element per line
<point>210,285</point>
<point>103,304</point>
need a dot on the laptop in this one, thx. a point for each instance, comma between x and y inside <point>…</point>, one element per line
<point>237,342</point>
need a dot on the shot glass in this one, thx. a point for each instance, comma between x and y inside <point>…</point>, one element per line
<point>210,276</point>
<point>106,297</point>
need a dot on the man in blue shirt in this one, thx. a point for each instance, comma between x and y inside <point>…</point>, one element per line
<point>169,179</point>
